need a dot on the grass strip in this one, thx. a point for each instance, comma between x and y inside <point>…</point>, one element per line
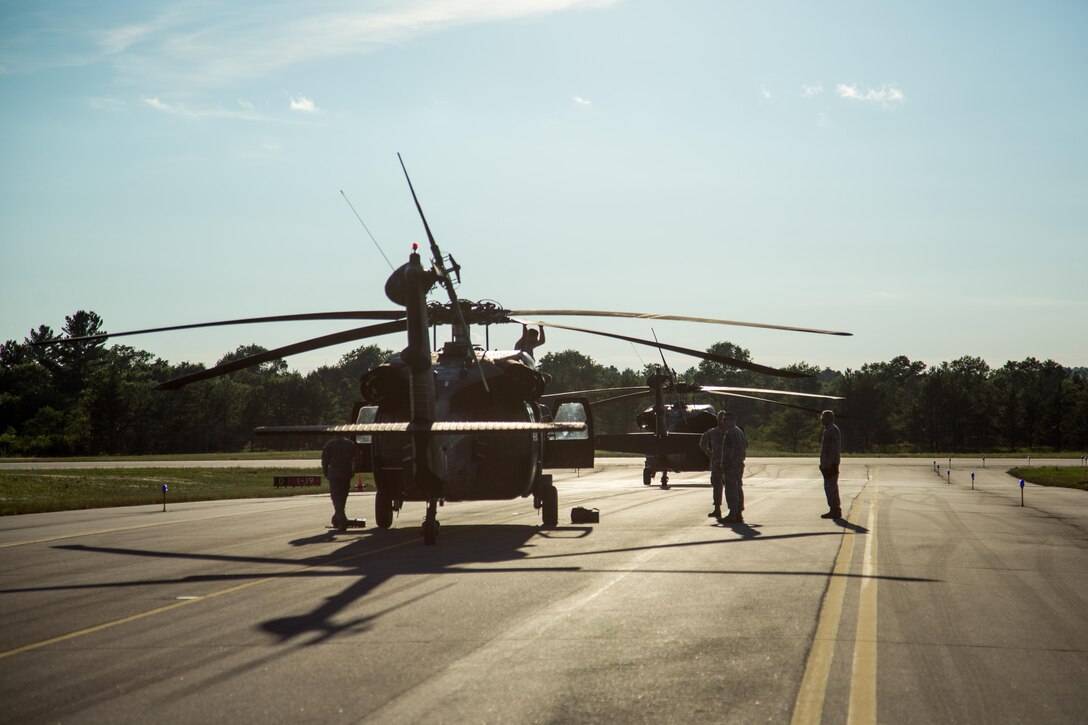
<point>41,490</point>
<point>1062,476</point>
<point>237,456</point>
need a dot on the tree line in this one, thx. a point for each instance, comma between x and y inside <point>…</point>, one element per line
<point>89,399</point>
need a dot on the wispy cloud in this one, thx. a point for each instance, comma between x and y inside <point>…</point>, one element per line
<point>582,101</point>
<point>160,105</point>
<point>199,44</point>
<point>303,104</point>
<point>811,90</point>
<point>763,91</point>
<point>245,112</point>
<point>885,96</point>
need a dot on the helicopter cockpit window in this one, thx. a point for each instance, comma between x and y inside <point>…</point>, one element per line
<point>367,414</point>
<point>570,413</point>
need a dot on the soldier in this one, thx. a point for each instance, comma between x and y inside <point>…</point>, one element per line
<point>711,445</point>
<point>338,464</point>
<point>530,339</point>
<point>734,446</point>
<point>830,455</point>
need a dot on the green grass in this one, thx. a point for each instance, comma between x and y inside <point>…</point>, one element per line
<point>238,456</point>
<point>1063,476</point>
<point>35,491</point>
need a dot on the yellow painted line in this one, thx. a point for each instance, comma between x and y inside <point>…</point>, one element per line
<point>809,706</point>
<point>186,602</point>
<point>863,678</point>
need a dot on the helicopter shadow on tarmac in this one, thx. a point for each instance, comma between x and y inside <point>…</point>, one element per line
<point>488,545</point>
<point>371,559</point>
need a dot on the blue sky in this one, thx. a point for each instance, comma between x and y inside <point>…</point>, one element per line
<point>914,173</point>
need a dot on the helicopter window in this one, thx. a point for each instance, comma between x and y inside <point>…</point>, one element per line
<point>367,414</point>
<point>570,413</point>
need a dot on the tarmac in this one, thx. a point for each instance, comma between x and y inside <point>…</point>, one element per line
<point>931,601</point>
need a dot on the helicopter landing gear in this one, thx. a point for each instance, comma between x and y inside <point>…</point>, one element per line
<point>664,479</point>
<point>549,505</point>
<point>430,523</point>
<point>384,507</point>
<point>546,498</point>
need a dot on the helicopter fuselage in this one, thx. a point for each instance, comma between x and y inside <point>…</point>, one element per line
<point>680,418</point>
<point>467,466</point>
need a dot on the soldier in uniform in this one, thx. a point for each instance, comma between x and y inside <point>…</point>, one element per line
<point>734,446</point>
<point>338,464</point>
<point>530,339</point>
<point>830,456</point>
<point>711,445</point>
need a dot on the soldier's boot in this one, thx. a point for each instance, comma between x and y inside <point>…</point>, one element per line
<point>340,520</point>
<point>716,513</point>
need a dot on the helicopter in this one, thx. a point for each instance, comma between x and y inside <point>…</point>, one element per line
<point>673,429</point>
<point>458,423</point>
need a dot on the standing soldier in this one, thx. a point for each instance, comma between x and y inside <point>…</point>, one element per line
<point>830,455</point>
<point>711,444</point>
<point>338,464</point>
<point>734,446</point>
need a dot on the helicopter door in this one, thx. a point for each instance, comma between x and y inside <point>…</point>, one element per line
<point>570,449</point>
<point>365,414</point>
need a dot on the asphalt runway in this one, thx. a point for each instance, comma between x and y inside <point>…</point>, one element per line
<point>930,603</point>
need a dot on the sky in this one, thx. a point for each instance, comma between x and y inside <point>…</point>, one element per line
<point>915,173</point>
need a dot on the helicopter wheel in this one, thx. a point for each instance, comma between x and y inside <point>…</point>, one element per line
<point>430,523</point>
<point>647,476</point>
<point>550,507</point>
<point>664,479</point>
<point>383,510</point>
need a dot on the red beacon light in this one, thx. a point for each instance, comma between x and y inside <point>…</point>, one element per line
<point>415,247</point>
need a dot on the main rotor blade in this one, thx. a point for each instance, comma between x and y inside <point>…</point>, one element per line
<point>349,315</point>
<point>680,318</point>
<point>729,361</point>
<point>625,396</point>
<point>435,253</point>
<point>641,388</point>
<point>359,333</point>
<point>447,282</point>
<point>772,402</point>
<point>724,389</point>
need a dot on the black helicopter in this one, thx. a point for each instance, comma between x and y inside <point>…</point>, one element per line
<point>673,429</point>
<point>459,423</point>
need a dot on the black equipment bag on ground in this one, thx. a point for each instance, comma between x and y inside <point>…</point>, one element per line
<point>579,515</point>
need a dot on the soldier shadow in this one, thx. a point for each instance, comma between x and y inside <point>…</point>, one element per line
<point>745,530</point>
<point>856,528</point>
